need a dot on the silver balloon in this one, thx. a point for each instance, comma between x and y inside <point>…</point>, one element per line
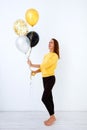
<point>23,44</point>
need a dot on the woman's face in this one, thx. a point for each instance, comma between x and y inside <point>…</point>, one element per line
<point>51,45</point>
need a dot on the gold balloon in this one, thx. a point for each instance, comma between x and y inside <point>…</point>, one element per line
<point>20,27</point>
<point>32,16</point>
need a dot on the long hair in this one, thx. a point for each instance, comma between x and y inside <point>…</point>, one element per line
<point>56,47</point>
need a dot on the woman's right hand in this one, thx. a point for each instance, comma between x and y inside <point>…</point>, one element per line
<point>29,62</point>
<point>33,65</point>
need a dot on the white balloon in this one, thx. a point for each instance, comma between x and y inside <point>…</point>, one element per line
<point>23,44</point>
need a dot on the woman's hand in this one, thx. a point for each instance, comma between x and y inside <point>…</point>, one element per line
<point>33,73</point>
<point>33,65</point>
<point>29,62</point>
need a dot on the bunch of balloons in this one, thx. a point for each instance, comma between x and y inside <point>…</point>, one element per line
<point>26,39</point>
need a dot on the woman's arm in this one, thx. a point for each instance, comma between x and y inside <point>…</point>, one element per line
<point>33,65</point>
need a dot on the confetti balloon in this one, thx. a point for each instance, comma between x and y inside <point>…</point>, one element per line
<point>20,27</point>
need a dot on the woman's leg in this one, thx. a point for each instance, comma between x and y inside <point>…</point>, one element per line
<point>47,98</point>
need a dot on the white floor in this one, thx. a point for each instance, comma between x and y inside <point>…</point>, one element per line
<point>34,121</point>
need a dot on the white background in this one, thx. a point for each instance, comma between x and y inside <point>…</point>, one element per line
<point>65,20</point>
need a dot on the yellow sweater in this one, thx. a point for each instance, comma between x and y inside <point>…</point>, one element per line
<point>49,64</point>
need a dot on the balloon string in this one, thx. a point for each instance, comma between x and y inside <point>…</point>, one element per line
<point>28,56</point>
<point>28,53</point>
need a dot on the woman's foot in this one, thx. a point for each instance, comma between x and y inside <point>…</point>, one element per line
<point>50,121</point>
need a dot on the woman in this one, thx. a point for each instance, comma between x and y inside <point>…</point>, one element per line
<point>47,68</point>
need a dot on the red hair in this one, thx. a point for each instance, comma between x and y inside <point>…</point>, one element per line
<point>56,47</point>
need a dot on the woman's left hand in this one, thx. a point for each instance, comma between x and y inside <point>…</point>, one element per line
<point>33,73</point>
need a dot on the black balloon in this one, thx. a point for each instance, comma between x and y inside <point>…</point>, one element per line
<point>33,37</point>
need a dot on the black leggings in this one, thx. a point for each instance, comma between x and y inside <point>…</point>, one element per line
<point>47,97</point>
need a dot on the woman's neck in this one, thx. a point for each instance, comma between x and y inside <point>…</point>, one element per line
<point>51,50</point>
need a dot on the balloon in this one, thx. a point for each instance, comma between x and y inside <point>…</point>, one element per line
<point>20,27</point>
<point>31,16</point>
<point>23,44</point>
<point>34,38</point>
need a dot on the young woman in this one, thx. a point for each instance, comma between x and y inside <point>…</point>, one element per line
<point>47,68</point>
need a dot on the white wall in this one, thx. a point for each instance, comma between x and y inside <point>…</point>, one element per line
<point>65,20</point>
